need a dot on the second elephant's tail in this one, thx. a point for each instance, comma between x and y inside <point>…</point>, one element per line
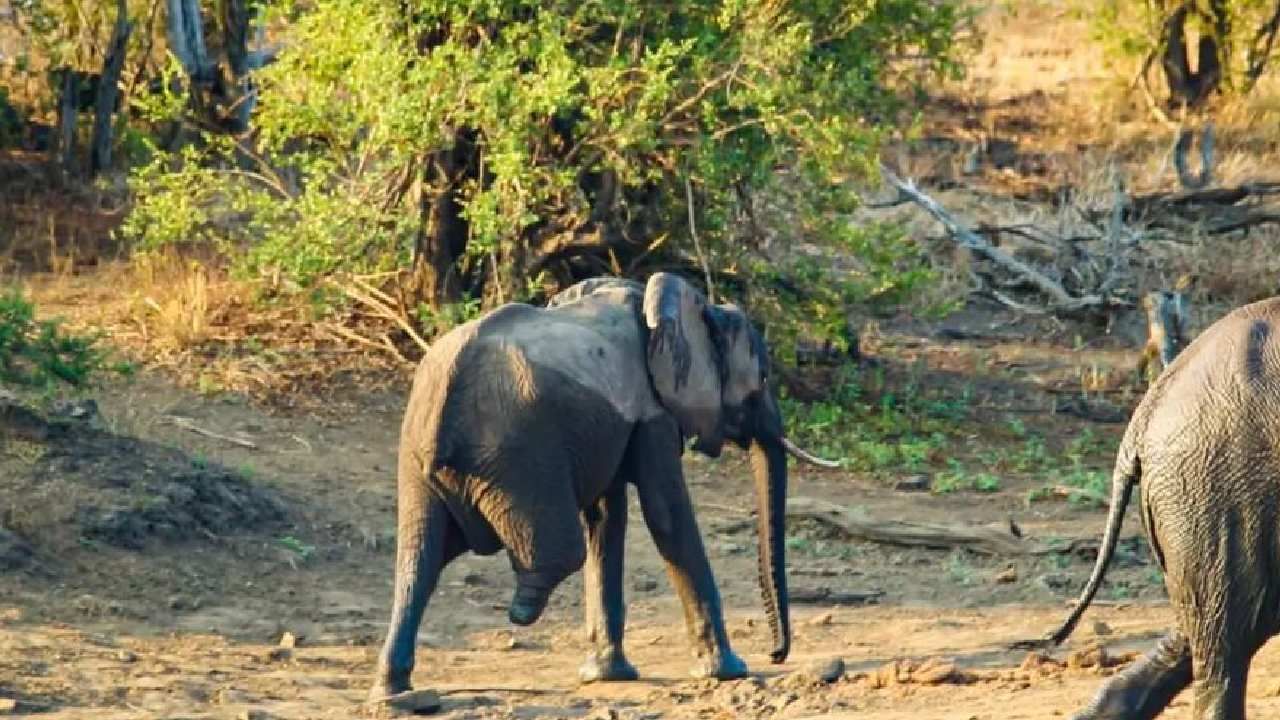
<point>1127,473</point>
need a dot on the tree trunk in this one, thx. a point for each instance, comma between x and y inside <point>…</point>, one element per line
<point>186,39</point>
<point>65,145</point>
<point>442,233</point>
<point>104,110</point>
<point>1187,87</point>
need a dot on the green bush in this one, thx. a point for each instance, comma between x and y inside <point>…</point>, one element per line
<point>41,354</point>
<point>500,149</point>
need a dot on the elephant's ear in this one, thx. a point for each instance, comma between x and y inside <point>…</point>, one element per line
<point>683,360</point>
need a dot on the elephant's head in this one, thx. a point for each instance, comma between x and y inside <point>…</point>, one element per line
<point>710,368</point>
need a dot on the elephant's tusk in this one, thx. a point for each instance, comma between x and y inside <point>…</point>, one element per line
<point>807,456</point>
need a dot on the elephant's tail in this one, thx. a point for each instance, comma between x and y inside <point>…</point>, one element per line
<point>1128,472</point>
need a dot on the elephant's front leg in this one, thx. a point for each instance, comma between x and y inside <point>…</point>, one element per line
<point>654,458</point>
<point>606,523</point>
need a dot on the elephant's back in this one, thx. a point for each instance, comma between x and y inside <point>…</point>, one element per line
<point>1217,407</point>
<point>519,356</point>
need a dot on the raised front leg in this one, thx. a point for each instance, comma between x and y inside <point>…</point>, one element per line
<point>602,586</point>
<point>1146,687</point>
<point>426,541</point>
<point>653,459</point>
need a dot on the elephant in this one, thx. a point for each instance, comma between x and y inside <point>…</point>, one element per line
<point>523,428</point>
<point>1204,447</point>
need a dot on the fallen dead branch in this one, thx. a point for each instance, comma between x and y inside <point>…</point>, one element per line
<point>1060,299</point>
<point>827,596</point>
<point>189,424</point>
<point>981,539</point>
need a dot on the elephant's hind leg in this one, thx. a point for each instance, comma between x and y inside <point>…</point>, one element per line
<point>1146,687</point>
<point>654,458</point>
<point>423,548</point>
<point>602,586</point>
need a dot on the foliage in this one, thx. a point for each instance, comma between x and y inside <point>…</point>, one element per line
<point>874,428</point>
<point>503,148</point>
<point>41,354</point>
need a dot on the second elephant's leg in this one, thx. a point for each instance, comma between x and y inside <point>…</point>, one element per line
<point>1219,689</point>
<point>1146,687</point>
<point>653,459</point>
<point>602,587</point>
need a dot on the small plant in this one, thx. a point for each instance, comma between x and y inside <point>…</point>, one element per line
<point>986,483</point>
<point>296,546</point>
<point>40,354</point>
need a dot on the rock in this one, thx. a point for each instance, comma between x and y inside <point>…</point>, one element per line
<point>419,702</point>
<point>934,672</point>
<point>277,654</point>
<point>289,640</point>
<point>253,715</point>
<point>8,706</point>
<point>823,619</point>
<point>914,483</point>
<point>125,656</point>
<point>644,584</point>
<point>1008,575</point>
<point>829,671</point>
<point>1101,628</point>
<point>1093,656</point>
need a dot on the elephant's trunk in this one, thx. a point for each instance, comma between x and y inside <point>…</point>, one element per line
<point>769,464</point>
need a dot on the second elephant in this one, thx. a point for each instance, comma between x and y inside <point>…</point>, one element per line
<point>1204,446</point>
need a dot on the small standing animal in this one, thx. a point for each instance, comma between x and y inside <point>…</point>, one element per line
<point>1204,445</point>
<point>1167,331</point>
<point>525,426</point>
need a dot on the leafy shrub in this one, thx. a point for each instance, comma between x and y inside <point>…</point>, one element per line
<point>40,354</point>
<point>501,149</point>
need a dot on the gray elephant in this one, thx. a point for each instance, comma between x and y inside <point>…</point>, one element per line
<point>1204,444</point>
<point>523,429</point>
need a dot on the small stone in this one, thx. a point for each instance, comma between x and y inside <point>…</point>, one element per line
<point>1008,575</point>
<point>934,672</point>
<point>823,619</point>
<point>828,671</point>
<point>1101,628</point>
<point>414,701</point>
<point>645,584</point>
<point>278,654</point>
<point>914,483</point>
<point>8,706</point>
<point>253,715</point>
<point>1088,657</point>
<point>126,656</point>
<point>289,640</point>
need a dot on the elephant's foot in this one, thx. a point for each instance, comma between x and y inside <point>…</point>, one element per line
<point>722,665</point>
<point>527,605</point>
<point>607,665</point>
